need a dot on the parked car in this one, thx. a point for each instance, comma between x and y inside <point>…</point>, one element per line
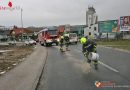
<point>12,42</point>
<point>30,42</point>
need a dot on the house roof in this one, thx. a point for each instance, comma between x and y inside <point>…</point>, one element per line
<point>21,30</point>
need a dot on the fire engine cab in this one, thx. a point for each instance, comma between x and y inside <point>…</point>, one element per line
<point>48,36</point>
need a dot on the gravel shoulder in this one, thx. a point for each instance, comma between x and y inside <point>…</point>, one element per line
<point>12,56</point>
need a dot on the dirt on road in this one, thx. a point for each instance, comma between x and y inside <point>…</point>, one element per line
<point>12,56</point>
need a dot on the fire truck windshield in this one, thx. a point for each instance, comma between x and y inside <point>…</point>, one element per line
<point>52,32</point>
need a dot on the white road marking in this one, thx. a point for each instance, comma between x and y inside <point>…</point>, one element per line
<point>107,66</point>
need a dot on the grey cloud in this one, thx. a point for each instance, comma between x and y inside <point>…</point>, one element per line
<point>57,12</point>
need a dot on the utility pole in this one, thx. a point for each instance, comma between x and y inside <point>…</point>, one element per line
<point>22,22</point>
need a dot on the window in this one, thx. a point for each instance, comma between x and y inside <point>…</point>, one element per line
<point>95,28</point>
<point>89,33</point>
<point>52,32</point>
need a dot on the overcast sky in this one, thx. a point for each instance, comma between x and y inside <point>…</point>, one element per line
<point>59,12</point>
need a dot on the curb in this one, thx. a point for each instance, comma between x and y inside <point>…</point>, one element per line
<point>39,75</point>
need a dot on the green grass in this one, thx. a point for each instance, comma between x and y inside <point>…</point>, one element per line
<point>121,44</point>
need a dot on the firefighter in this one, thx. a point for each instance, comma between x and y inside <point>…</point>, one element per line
<point>88,46</point>
<point>67,41</point>
<point>61,42</point>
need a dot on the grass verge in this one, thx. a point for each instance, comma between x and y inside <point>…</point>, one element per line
<point>121,44</point>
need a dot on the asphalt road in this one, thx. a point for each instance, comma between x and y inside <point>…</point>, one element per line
<point>69,71</point>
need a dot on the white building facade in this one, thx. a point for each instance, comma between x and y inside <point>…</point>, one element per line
<point>91,23</point>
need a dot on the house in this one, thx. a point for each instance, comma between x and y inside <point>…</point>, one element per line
<point>93,30</point>
<point>61,29</point>
<point>21,33</point>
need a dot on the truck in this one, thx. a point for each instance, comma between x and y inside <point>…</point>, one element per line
<point>48,36</point>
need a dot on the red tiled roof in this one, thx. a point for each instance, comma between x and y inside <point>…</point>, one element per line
<point>21,30</point>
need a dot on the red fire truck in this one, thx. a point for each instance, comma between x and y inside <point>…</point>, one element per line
<point>48,36</point>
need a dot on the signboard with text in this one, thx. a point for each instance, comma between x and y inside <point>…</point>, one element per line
<point>124,23</point>
<point>108,26</point>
